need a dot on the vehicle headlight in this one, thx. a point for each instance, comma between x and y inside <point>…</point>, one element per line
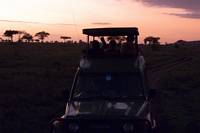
<point>128,127</point>
<point>73,127</point>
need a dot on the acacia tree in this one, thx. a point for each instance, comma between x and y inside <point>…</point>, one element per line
<point>65,38</point>
<point>10,33</point>
<point>151,40</point>
<point>20,33</point>
<point>42,35</point>
<point>27,37</point>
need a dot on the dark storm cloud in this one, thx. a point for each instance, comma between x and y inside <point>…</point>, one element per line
<point>191,6</point>
<point>187,15</point>
<point>101,23</point>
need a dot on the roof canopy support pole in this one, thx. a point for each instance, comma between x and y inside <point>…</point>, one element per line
<point>88,41</point>
<point>136,44</point>
<point>136,39</point>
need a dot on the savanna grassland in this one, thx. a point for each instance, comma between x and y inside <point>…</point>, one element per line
<point>33,78</point>
<point>175,73</point>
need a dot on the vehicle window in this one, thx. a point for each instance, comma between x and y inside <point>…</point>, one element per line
<point>108,85</point>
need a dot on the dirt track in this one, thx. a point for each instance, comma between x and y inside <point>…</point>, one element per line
<point>154,72</point>
<point>154,76</point>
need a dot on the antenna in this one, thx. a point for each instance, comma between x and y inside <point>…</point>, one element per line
<point>74,19</point>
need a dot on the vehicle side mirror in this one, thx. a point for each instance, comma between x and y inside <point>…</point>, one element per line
<point>66,94</point>
<point>152,94</point>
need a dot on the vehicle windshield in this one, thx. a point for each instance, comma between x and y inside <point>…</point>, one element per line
<point>108,85</point>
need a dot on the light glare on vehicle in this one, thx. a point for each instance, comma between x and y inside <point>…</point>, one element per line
<point>73,127</point>
<point>128,127</point>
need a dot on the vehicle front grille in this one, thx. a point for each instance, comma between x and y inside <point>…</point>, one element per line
<point>107,126</point>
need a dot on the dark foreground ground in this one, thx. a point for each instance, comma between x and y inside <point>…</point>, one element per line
<point>33,77</point>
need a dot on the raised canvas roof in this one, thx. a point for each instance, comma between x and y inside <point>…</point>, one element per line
<point>120,31</point>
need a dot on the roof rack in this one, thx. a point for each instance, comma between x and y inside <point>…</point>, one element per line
<point>120,31</point>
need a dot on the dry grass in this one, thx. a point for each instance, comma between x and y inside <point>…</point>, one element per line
<point>33,77</point>
<point>32,80</point>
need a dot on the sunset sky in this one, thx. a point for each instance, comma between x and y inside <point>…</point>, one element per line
<point>169,19</point>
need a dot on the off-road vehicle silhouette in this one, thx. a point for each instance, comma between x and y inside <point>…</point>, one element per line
<point>110,96</point>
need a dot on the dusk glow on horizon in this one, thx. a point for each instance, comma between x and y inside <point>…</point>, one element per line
<point>170,21</point>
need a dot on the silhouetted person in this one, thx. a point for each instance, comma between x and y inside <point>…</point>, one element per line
<point>112,50</point>
<point>95,50</point>
<point>128,48</point>
<point>104,44</point>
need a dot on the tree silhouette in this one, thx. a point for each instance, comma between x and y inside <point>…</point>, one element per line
<point>65,38</point>
<point>20,33</point>
<point>37,40</point>
<point>151,40</point>
<point>10,33</point>
<point>27,37</point>
<point>42,35</point>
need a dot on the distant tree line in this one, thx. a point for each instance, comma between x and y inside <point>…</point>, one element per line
<point>39,37</point>
<point>27,37</point>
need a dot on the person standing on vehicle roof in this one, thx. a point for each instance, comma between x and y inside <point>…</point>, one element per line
<point>112,50</point>
<point>95,50</point>
<point>129,48</point>
<point>104,44</point>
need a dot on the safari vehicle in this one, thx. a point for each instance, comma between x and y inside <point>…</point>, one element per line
<point>110,96</point>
